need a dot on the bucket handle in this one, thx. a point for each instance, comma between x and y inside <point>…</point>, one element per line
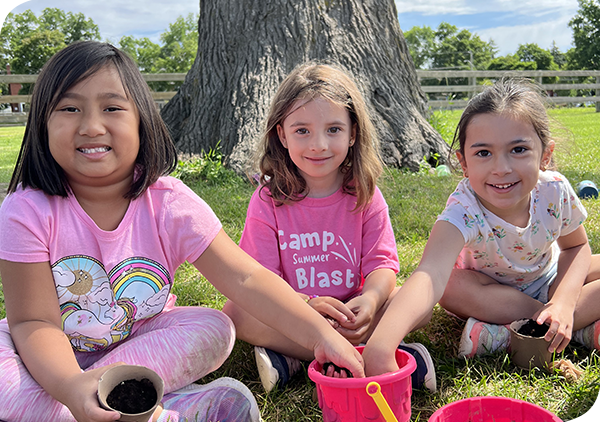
<point>379,400</point>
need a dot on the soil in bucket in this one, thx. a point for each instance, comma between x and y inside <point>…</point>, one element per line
<point>133,396</point>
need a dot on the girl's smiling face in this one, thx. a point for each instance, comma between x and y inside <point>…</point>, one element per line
<point>317,135</point>
<point>502,159</point>
<point>93,132</point>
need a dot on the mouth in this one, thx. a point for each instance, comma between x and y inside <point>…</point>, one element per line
<point>503,186</point>
<point>94,150</point>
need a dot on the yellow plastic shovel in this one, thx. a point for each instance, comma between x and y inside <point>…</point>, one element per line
<point>374,390</point>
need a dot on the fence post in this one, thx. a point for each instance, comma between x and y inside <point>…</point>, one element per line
<point>597,95</point>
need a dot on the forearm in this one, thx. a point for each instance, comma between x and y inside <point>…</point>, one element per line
<point>413,303</point>
<point>378,286</point>
<point>48,356</point>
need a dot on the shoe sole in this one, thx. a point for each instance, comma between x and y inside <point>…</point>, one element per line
<point>429,381</point>
<point>268,374</point>
<point>229,383</point>
<point>467,349</point>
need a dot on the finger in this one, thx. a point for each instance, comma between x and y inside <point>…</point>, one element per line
<point>552,331</point>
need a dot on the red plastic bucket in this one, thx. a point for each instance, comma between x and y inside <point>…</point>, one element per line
<point>347,400</point>
<point>492,409</point>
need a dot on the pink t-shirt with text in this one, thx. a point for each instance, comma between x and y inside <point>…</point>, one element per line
<point>321,246</point>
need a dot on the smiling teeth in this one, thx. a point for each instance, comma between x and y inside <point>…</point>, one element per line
<point>94,150</point>
<point>503,186</point>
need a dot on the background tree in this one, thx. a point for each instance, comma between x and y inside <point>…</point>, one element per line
<point>421,44</point>
<point>247,47</point>
<point>586,36</point>
<point>175,54</point>
<point>28,41</point>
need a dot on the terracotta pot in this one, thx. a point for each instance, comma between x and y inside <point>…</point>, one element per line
<point>529,350</point>
<point>118,374</point>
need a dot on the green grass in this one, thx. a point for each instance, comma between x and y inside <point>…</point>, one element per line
<point>414,201</point>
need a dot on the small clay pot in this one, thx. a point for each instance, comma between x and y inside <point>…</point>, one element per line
<point>126,374</point>
<point>528,347</point>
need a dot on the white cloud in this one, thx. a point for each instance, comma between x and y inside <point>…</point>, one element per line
<point>508,38</point>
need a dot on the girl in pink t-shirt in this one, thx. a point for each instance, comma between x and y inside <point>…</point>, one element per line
<point>319,220</point>
<point>91,234</point>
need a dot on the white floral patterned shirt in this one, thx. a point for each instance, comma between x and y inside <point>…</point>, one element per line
<point>513,255</point>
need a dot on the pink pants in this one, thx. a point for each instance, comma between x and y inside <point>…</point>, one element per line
<point>182,345</point>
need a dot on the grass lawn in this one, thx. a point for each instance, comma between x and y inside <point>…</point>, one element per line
<point>414,200</point>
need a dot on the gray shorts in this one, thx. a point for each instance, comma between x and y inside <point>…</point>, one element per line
<point>538,290</point>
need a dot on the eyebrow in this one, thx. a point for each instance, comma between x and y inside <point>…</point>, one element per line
<point>333,123</point>
<point>105,95</point>
<point>515,142</point>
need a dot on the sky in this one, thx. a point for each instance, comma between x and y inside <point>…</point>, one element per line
<point>507,22</point>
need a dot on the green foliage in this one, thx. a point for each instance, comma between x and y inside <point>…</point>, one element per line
<point>28,41</point>
<point>176,54</point>
<point>207,167</point>
<point>448,48</point>
<point>586,36</point>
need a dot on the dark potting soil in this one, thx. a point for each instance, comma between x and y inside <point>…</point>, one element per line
<point>533,329</point>
<point>336,368</point>
<point>132,396</point>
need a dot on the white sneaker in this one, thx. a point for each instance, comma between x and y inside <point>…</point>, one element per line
<point>274,368</point>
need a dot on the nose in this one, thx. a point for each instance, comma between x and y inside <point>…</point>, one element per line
<point>91,124</point>
<point>318,142</point>
<point>501,165</point>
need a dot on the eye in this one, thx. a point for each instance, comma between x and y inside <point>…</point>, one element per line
<point>68,109</point>
<point>113,108</point>
<point>483,153</point>
<point>519,150</point>
<point>302,131</point>
<point>334,129</point>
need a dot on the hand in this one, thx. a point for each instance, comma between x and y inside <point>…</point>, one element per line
<point>364,309</point>
<point>336,349</point>
<point>379,362</point>
<point>332,309</point>
<point>560,321</point>
<point>82,393</point>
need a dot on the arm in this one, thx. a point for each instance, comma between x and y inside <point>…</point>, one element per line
<point>573,264</point>
<point>415,299</point>
<point>376,290</point>
<point>271,300</point>
<point>35,325</point>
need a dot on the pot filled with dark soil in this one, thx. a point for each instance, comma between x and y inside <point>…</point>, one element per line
<point>132,390</point>
<point>528,347</point>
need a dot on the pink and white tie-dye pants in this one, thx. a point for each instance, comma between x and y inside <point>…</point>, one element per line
<point>182,345</point>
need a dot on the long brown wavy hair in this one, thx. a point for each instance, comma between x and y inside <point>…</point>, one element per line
<point>361,167</point>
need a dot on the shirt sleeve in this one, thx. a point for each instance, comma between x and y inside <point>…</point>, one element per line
<point>378,240</point>
<point>189,223</point>
<point>260,237</point>
<point>573,213</point>
<point>24,229</point>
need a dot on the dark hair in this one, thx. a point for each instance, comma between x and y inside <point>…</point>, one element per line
<point>36,168</point>
<point>361,167</point>
<point>520,98</point>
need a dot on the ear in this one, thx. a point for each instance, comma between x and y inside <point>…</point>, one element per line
<point>463,163</point>
<point>547,155</point>
<point>353,135</point>
<point>281,134</point>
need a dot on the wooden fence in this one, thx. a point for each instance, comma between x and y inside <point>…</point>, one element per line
<point>441,96</point>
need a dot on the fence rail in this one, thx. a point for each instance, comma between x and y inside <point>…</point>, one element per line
<point>472,86</point>
<point>449,91</point>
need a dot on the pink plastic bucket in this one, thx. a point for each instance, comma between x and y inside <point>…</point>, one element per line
<point>492,409</point>
<point>346,399</point>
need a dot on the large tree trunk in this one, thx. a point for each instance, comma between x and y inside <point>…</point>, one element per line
<point>246,48</point>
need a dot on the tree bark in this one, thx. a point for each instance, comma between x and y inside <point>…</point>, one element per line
<point>247,47</point>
